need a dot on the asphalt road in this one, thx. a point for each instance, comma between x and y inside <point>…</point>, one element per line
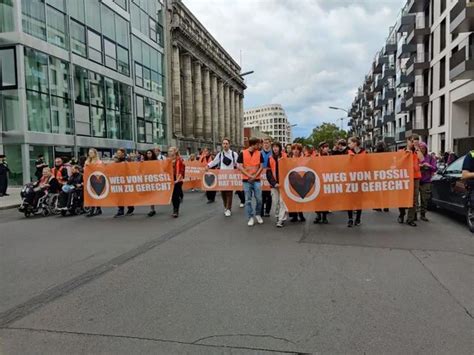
<point>208,284</point>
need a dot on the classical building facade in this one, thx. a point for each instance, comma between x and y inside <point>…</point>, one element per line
<point>270,120</point>
<point>207,92</point>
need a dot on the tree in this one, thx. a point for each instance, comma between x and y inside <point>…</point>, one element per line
<point>327,132</point>
<point>301,140</point>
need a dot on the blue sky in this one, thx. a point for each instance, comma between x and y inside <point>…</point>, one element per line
<point>306,54</point>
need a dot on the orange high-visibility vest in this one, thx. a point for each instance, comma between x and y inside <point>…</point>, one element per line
<point>273,166</point>
<point>251,163</point>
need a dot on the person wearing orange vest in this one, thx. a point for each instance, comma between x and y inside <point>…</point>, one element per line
<point>322,216</point>
<point>178,175</point>
<point>354,149</point>
<point>413,148</point>
<point>59,171</point>
<point>250,163</point>
<point>272,176</point>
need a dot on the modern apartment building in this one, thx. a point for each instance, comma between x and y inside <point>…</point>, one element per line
<point>270,120</point>
<point>422,81</point>
<point>79,74</point>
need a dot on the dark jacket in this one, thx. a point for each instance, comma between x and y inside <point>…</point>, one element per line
<point>75,179</point>
<point>273,180</point>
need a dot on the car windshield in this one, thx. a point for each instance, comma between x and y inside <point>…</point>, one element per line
<point>456,167</point>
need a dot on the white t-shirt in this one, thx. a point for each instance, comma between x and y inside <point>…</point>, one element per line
<point>219,160</point>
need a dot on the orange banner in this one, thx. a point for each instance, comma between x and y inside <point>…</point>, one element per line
<point>194,170</point>
<point>228,180</point>
<point>129,184</point>
<point>338,183</point>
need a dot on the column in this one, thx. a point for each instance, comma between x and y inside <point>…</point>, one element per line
<point>238,122</point>
<point>221,111</point>
<point>188,97</point>
<point>176,93</point>
<point>207,105</point>
<point>226,112</point>
<point>214,109</point>
<point>232,115</point>
<point>198,123</point>
<point>241,109</point>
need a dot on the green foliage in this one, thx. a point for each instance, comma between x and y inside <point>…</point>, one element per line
<point>327,132</point>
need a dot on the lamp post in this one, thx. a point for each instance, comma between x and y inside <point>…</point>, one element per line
<point>216,100</point>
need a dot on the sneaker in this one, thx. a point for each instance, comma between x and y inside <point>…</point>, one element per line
<point>242,205</point>
<point>325,221</point>
<point>317,220</point>
<point>91,213</point>
<point>294,219</point>
<point>251,222</point>
<point>401,219</point>
<point>119,214</point>
<point>210,201</point>
<point>228,213</point>
<point>411,224</point>
<point>151,213</point>
<point>424,219</point>
<point>350,224</point>
<point>98,211</point>
<point>259,219</point>
<point>302,219</point>
<point>357,222</point>
<point>130,212</point>
<point>266,215</point>
<point>175,215</point>
<point>279,224</point>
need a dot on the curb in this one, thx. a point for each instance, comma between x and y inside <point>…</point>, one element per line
<point>10,207</point>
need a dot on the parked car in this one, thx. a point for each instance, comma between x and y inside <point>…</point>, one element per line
<point>451,193</point>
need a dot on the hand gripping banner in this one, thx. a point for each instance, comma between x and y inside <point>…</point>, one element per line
<point>339,183</point>
<point>129,184</point>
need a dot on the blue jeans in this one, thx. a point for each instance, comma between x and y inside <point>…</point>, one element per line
<point>252,189</point>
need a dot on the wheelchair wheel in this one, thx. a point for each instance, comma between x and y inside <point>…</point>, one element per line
<point>63,213</point>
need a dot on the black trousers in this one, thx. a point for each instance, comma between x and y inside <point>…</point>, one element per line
<point>211,195</point>
<point>3,184</point>
<point>266,202</point>
<point>241,195</point>
<point>350,214</point>
<point>177,196</point>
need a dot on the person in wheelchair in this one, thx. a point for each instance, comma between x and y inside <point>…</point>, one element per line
<point>71,187</point>
<point>47,184</point>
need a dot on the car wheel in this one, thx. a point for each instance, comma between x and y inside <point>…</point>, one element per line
<point>470,218</point>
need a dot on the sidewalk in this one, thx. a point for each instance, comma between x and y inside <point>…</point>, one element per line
<point>11,201</point>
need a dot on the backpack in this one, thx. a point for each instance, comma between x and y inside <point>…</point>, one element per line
<point>221,157</point>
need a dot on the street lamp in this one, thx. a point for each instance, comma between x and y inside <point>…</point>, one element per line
<point>217,96</point>
<point>338,108</point>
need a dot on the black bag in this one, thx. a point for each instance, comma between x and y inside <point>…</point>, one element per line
<point>226,160</point>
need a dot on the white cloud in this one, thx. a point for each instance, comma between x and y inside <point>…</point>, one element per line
<point>307,54</point>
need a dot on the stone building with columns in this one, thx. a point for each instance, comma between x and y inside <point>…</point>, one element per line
<point>206,91</point>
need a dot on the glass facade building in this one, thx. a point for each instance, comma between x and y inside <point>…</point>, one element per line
<point>79,74</point>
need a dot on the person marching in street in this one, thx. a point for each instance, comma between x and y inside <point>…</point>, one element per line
<point>322,217</point>
<point>4,170</point>
<point>40,164</point>
<point>297,153</point>
<point>159,155</point>
<point>178,175</point>
<point>150,155</point>
<point>288,151</point>
<point>354,149</point>
<point>225,160</point>
<point>59,171</point>
<point>266,195</point>
<point>428,169</point>
<point>272,176</point>
<point>340,148</point>
<point>413,148</point>
<point>381,148</point>
<point>93,158</point>
<point>121,157</point>
<point>205,158</point>
<point>250,163</point>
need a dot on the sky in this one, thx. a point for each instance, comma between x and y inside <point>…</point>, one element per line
<point>307,54</point>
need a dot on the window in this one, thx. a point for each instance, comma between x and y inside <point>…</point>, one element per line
<point>122,31</point>
<point>81,85</point>
<point>98,121</point>
<point>153,29</point>
<point>77,10</point>
<point>122,60</point>
<point>93,14</point>
<point>456,167</point>
<point>60,115</point>
<point>34,18</point>
<point>57,28</point>
<point>138,75</point>
<point>96,82</point>
<point>58,77</point>
<point>442,6</point>
<point>7,23</point>
<point>442,106</point>
<point>122,4</point>
<point>7,68</point>
<point>78,38</point>
<point>442,73</point>
<point>110,54</point>
<point>442,34</point>
<point>36,71</point>
<point>113,124</point>
<point>95,46</point>
<point>37,107</point>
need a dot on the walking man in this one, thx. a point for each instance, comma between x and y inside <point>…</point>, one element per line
<point>225,160</point>
<point>121,157</point>
<point>266,195</point>
<point>251,165</point>
<point>4,170</point>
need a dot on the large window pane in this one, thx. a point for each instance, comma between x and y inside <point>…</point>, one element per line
<point>137,49</point>
<point>122,60</point>
<point>125,97</point>
<point>38,112</point>
<point>95,46</point>
<point>78,38</point>
<point>146,79</point>
<point>155,82</point>
<point>149,132</point>
<point>126,126</point>
<point>141,131</point>
<point>58,77</point>
<point>82,120</point>
<point>81,85</point>
<point>135,16</point>
<point>36,70</point>
<point>7,23</point>
<point>121,3</point>
<point>7,68</point>
<point>140,109</point>
<point>93,14</point>
<point>153,27</point>
<point>108,19</point>
<point>97,89</point>
<point>146,55</point>
<point>113,124</point>
<point>10,110</point>
<point>138,75</point>
<point>98,122</point>
<point>111,95</point>
<point>60,115</point>
<point>58,4</point>
<point>122,31</point>
<point>34,21</point>
<point>110,54</point>
<point>77,10</point>
<point>57,28</point>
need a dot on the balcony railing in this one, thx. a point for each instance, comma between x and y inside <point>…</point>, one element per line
<point>462,16</point>
<point>461,64</point>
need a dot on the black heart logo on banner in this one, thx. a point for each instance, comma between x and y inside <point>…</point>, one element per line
<point>98,183</point>
<point>209,179</point>
<point>302,184</point>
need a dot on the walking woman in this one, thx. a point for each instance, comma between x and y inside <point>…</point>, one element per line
<point>322,216</point>
<point>354,149</point>
<point>428,169</point>
<point>149,156</point>
<point>272,176</point>
<point>93,159</point>
<point>178,173</point>
<point>297,153</point>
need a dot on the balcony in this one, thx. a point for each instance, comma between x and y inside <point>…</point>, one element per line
<point>462,17</point>
<point>411,128</point>
<point>414,6</point>
<point>388,139</point>
<point>405,50</point>
<point>388,93</point>
<point>388,70</point>
<point>389,116</point>
<point>403,79</point>
<point>378,83</point>
<point>416,97</point>
<point>379,102</point>
<point>406,22</point>
<point>461,64</point>
<point>390,47</point>
<point>400,134</point>
<point>380,60</point>
<point>420,31</point>
<point>400,106</point>
<point>369,95</point>
<point>418,63</point>
<point>378,124</point>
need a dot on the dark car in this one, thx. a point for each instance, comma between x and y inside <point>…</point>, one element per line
<point>451,193</point>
